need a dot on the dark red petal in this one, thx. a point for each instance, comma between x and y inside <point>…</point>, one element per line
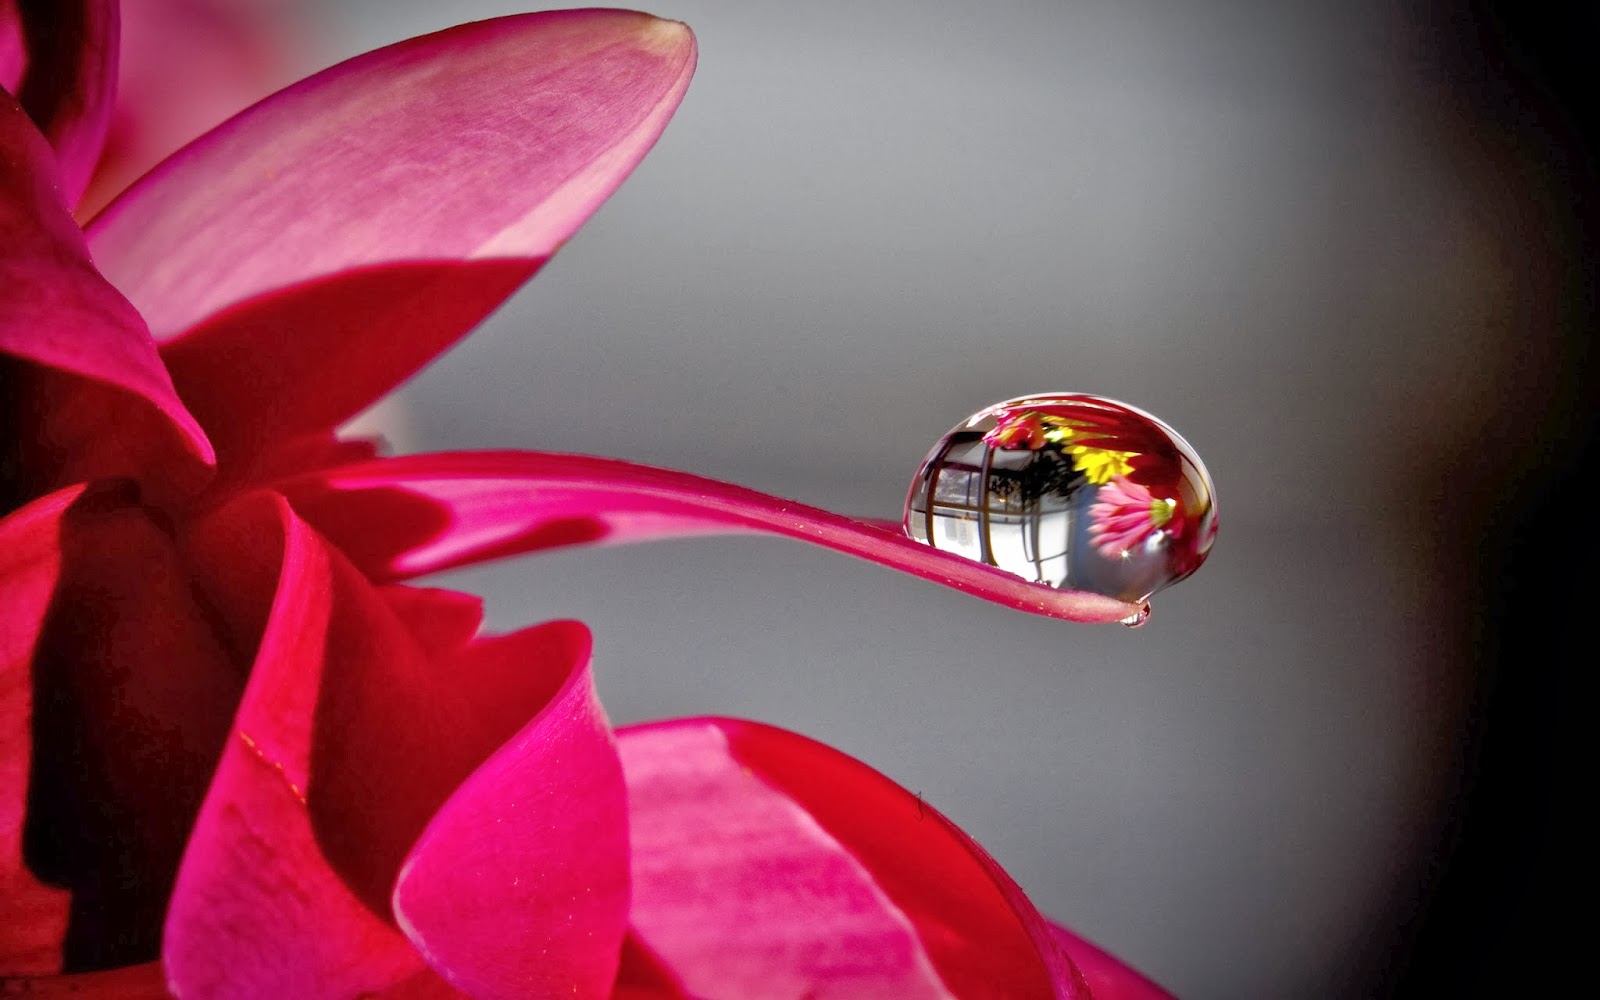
<point>519,886</point>
<point>83,393</point>
<point>740,830</point>
<point>133,982</point>
<point>134,681</point>
<point>319,248</point>
<point>405,517</point>
<point>60,58</point>
<point>33,916</point>
<point>1109,978</point>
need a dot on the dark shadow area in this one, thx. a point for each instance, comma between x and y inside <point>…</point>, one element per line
<point>303,359</point>
<point>134,689</point>
<point>1495,921</point>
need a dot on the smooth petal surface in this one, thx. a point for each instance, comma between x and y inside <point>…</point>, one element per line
<point>317,249</point>
<point>405,517</point>
<point>773,863</point>
<point>519,886</point>
<point>33,916</point>
<point>82,390</point>
<point>59,57</point>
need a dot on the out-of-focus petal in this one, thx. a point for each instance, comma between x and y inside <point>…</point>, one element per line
<point>185,66</point>
<point>59,57</point>
<point>405,517</point>
<point>519,886</point>
<point>133,686</point>
<point>1109,978</point>
<point>319,248</point>
<point>740,831</point>
<point>33,917</point>
<point>83,392</point>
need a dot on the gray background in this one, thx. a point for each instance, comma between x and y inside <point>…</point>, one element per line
<point>1258,220</point>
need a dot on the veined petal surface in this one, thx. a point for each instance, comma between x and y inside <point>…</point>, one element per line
<point>317,249</point>
<point>400,518</point>
<point>768,865</point>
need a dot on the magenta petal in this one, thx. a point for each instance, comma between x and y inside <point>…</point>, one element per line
<point>519,886</point>
<point>33,917</point>
<point>258,910</point>
<point>773,863</point>
<point>84,392</point>
<point>741,893</point>
<point>319,248</point>
<point>60,59</point>
<point>405,517</point>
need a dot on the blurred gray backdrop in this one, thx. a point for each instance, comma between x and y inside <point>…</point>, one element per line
<point>1257,220</point>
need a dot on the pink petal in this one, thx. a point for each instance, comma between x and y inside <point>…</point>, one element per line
<point>258,909</point>
<point>33,917</point>
<point>133,686</point>
<point>85,390</point>
<point>319,248</point>
<point>1109,978</point>
<point>348,740</point>
<point>519,886</point>
<point>766,864</point>
<point>741,893</point>
<point>59,57</point>
<point>405,517</point>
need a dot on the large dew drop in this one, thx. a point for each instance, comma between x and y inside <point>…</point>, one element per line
<point>1074,491</point>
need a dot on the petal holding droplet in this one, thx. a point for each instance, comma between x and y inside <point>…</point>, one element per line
<point>405,517</point>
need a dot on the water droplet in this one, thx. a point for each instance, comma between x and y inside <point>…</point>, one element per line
<point>1070,490</point>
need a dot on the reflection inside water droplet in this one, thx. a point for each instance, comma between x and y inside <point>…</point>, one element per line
<point>1074,491</point>
<point>1138,617</point>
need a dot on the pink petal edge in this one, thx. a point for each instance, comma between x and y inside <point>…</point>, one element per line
<point>404,517</point>
<point>519,885</point>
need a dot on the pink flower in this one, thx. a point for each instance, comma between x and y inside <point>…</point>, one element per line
<point>232,737</point>
<point>1126,515</point>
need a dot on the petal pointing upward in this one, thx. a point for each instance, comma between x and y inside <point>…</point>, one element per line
<point>320,247</point>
